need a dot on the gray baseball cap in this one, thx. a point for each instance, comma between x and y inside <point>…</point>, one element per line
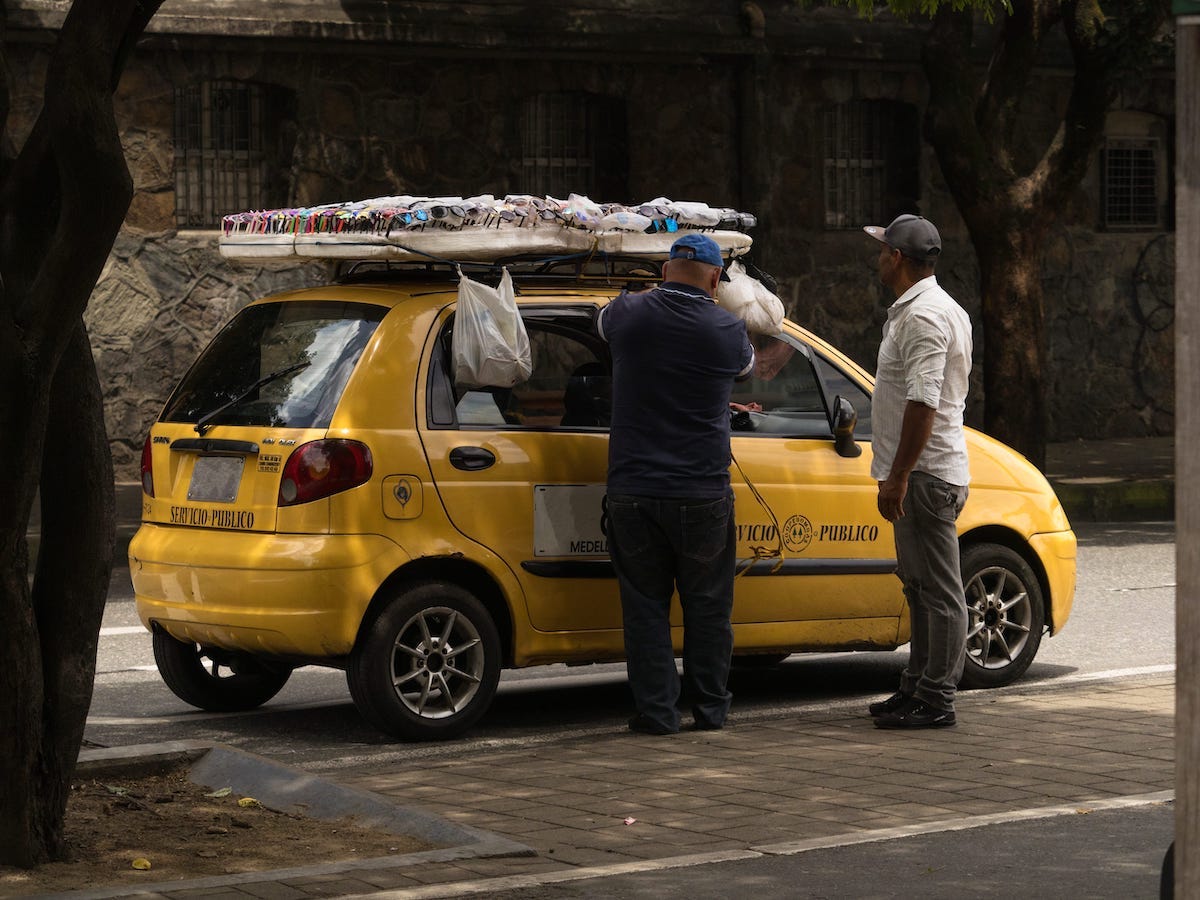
<point>914,236</point>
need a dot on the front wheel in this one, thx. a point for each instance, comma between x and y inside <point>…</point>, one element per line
<point>1006,615</point>
<point>428,667</point>
<point>214,679</point>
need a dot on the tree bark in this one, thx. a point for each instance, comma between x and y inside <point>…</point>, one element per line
<point>62,203</point>
<point>1014,347</point>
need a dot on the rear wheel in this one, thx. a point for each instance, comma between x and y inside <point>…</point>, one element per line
<point>428,667</point>
<point>1006,615</point>
<point>214,679</point>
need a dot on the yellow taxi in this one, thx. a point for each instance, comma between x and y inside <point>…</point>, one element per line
<point>319,490</point>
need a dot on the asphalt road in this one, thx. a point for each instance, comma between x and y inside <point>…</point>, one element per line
<point>1123,619</point>
<point>1104,854</point>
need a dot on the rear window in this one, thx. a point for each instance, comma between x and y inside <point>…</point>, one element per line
<point>278,364</point>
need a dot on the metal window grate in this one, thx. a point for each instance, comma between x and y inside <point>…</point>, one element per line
<point>573,142</point>
<point>1131,183</point>
<point>855,163</point>
<point>220,166</point>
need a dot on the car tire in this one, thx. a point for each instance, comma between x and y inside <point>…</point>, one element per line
<point>1006,615</point>
<point>216,680</point>
<point>427,668</point>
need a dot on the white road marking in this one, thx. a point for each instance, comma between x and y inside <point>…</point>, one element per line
<point>123,629</point>
<point>1101,676</point>
<point>518,882</point>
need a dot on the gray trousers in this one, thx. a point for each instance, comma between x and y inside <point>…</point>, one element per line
<point>927,552</point>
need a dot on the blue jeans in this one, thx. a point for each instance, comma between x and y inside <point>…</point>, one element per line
<point>927,553</point>
<point>659,546</point>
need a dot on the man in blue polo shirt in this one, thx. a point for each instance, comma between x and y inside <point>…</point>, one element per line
<point>675,357</point>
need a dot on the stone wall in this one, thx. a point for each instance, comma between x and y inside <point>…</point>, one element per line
<point>372,121</point>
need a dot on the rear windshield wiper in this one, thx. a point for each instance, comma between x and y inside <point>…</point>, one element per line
<point>266,379</point>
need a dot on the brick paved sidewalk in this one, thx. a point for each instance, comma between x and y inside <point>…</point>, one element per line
<point>819,776</point>
<point>772,781</point>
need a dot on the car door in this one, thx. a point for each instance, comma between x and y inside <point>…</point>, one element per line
<point>805,510</point>
<point>522,470</point>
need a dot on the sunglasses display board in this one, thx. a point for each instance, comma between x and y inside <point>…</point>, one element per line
<point>478,229</point>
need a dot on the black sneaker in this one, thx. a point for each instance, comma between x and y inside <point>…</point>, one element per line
<point>891,704</point>
<point>645,725</point>
<point>916,714</point>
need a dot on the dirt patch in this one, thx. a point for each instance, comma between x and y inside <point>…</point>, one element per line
<point>116,824</point>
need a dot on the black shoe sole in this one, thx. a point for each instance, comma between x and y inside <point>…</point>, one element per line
<point>880,709</point>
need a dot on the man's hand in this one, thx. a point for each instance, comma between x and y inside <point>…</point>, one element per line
<point>752,406</point>
<point>891,498</point>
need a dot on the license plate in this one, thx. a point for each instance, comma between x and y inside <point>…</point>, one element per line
<point>215,479</point>
<point>568,520</point>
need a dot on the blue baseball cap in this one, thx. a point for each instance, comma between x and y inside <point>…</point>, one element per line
<point>700,248</point>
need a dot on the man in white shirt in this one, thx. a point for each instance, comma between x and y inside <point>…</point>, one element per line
<point>920,462</point>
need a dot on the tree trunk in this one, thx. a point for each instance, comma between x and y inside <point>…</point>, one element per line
<point>52,679</point>
<point>1014,344</point>
<point>62,203</point>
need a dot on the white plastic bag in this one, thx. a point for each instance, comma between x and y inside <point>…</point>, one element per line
<point>751,301</point>
<point>625,220</point>
<point>489,344</point>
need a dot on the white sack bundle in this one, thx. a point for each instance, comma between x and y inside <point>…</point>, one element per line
<point>751,301</point>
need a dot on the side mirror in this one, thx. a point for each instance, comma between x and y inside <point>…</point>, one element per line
<point>844,420</point>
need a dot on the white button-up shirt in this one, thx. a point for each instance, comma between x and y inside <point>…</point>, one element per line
<point>925,356</point>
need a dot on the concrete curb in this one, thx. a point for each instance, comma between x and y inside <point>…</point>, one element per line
<point>288,790</point>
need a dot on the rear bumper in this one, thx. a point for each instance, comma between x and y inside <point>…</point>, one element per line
<point>1056,550</point>
<point>270,594</point>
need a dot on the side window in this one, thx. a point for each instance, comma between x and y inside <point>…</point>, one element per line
<point>783,396</point>
<point>791,391</point>
<point>838,384</point>
<point>570,387</point>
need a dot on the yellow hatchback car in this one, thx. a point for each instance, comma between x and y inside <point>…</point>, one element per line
<point>319,490</point>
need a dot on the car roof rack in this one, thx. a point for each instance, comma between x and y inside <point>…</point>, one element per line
<point>600,268</point>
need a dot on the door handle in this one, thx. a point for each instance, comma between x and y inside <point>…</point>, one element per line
<point>471,459</point>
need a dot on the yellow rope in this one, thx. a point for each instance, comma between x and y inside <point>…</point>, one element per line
<point>760,553</point>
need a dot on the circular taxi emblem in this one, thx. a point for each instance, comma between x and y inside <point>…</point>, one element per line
<point>797,533</point>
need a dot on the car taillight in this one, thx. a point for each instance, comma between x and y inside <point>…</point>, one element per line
<point>147,469</point>
<point>321,468</point>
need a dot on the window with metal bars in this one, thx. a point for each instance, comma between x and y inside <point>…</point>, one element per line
<point>222,163</point>
<point>1130,183</point>
<point>574,142</point>
<point>871,162</point>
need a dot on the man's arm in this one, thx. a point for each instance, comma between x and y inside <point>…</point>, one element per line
<point>915,429</point>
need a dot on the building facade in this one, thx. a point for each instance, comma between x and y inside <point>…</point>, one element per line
<point>810,119</point>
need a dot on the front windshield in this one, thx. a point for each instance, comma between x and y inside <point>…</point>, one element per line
<point>315,345</point>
